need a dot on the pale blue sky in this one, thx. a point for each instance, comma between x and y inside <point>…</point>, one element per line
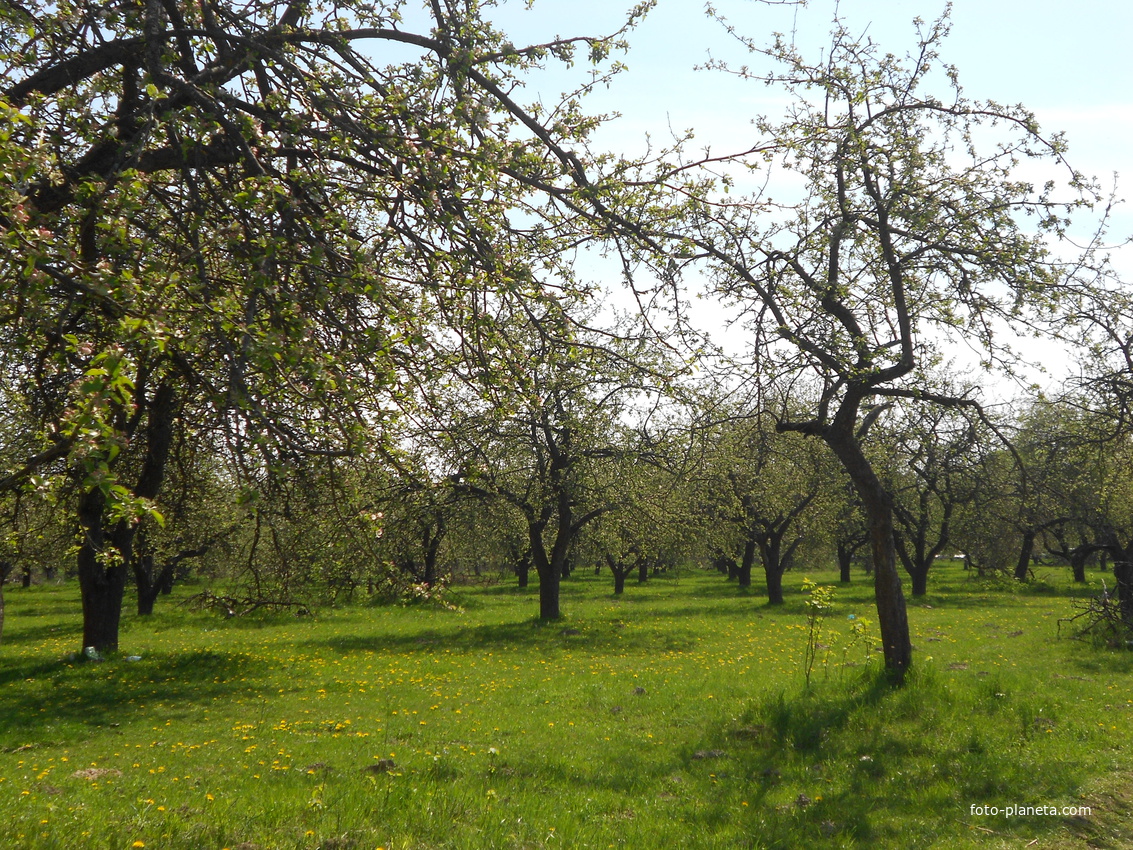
<point>1068,62</point>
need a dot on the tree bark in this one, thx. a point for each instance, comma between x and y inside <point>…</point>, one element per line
<point>1078,566</point>
<point>147,585</point>
<point>105,554</point>
<point>1023,567</point>
<point>432,549</point>
<point>773,570</point>
<point>845,561</point>
<point>102,576</point>
<point>744,572</point>
<point>550,571</point>
<point>919,576</point>
<point>892,614</point>
<point>1123,573</point>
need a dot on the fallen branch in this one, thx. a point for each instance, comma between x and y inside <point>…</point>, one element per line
<point>1099,618</point>
<point>234,606</point>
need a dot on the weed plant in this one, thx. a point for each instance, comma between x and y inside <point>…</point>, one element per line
<point>674,716</point>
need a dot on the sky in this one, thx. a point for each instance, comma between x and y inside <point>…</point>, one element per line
<point>1067,62</point>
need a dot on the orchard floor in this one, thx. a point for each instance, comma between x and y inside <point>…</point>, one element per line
<point>675,716</point>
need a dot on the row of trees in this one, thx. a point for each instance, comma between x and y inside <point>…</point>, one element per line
<point>264,260</point>
<point>563,484</point>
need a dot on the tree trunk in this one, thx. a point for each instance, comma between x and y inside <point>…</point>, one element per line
<point>774,586</point>
<point>919,576</point>
<point>549,586</point>
<point>773,571</point>
<point>105,556</point>
<point>431,550</point>
<point>845,560</point>
<point>148,587</point>
<point>550,571</point>
<point>744,572</point>
<point>643,571</point>
<point>1023,568</point>
<point>892,614</point>
<point>619,581</point>
<point>916,564</point>
<point>1123,573</point>
<point>102,576</point>
<point>523,569</point>
<point>1078,565</point>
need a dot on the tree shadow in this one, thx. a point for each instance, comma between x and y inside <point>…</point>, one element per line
<point>857,760</point>
<point>49,700</point>
<point>549,637</point>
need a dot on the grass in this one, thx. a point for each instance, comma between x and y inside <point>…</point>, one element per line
<point>674,716</point>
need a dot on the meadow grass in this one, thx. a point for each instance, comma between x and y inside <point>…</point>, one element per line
<point>673,716</point>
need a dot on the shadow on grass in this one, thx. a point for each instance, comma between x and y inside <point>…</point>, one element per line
<point>65,699</point>
<point>526,635</point>
<point>27,634</point>
<point>868,762</point>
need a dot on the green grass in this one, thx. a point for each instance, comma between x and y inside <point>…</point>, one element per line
<point>674,716</point>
